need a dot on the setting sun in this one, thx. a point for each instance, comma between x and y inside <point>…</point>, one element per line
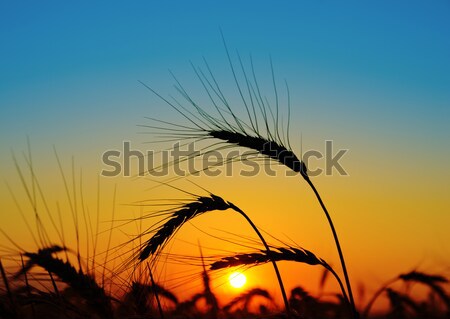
<point>237,279</point>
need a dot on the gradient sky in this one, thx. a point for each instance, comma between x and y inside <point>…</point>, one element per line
<point>372,76</point>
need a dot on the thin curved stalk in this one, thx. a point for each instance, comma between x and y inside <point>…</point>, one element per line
<point>161,313</point>
<point>338,279</point>
<point>376,295</point>
<point>8,290</point>
<point>275,267</point>
<point>338,245</point>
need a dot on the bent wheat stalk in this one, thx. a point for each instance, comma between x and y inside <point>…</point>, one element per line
<point>280,153</point>
<point>261,133</point>
<point>185,213</point>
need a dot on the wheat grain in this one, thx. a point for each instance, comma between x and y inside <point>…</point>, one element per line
<point>177,219</point>
<point>276,254</point>
<point>272,149</point>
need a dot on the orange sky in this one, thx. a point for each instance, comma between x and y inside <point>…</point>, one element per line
<point>379,217</point>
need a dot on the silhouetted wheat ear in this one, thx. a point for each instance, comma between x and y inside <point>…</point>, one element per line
<point>432,281</point>
<point>423,278</point>
<point>179,217</point>
<point>265,147</point>
<point>82,283</point>
<point>278,254</point>
<point>398,302</point>
<point>259,130</point>
<point>247,297</point>
<point>275,254</point>
<point>189,304</point>
<point>298,293</point>
<point>143,291</point>
<point>210,297</point>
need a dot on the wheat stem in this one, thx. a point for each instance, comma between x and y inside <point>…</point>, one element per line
<point>338,245</point>
<point>275,267</point>
<point>155,292</point>
<point>8,290</point>
<point>376,295</point>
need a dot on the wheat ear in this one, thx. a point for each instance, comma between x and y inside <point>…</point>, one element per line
<point>432,281</point>
<point>278,254</point>
<point>79,281</point>
<point>177,219</point>
<point>187,212</point>
<point>246,297</point>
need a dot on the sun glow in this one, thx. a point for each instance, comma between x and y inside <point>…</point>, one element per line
<point>237,279</point>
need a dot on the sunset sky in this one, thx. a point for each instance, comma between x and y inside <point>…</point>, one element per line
<point>373,77</point>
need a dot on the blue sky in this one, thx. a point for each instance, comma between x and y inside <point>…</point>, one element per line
<point>69,72</point>
<point>57,53</point>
